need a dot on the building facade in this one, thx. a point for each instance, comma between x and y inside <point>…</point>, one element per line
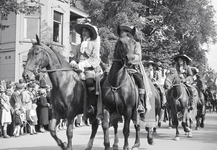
<point>54,24</point>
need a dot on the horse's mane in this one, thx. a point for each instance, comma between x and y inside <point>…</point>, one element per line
<point>60,58</point>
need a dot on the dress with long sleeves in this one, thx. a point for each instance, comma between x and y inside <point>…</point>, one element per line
<point>6,113</point>
<point>43,111</point>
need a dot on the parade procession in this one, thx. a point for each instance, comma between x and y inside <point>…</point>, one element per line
<point>108,75</point>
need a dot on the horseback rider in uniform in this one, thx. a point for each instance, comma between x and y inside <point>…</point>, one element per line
<point>185,73</point>
<point>87,58</point>
<point>135,67</point>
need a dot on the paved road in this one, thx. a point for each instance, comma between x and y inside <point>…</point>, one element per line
<point>203,139</point>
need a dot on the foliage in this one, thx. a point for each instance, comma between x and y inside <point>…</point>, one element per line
<point>165,27</point>
<point>11,6</point>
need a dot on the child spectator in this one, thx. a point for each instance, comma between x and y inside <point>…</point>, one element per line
<point>33,119</point>
<point>17,120</point>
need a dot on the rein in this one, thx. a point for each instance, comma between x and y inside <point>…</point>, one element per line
<point>54,70</point>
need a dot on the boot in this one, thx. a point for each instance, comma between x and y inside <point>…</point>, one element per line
<point>5,134</point>
<point>141,108</point>
<point>191,103</point>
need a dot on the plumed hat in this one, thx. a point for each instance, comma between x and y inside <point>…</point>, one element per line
<point>150,62</point>
<point>125,28</point>
<point>93,29</point>
<point>184,57</point>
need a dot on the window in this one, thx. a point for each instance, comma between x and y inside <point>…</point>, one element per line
<point>31,25</point>
<point>72,33</point>
<point>57,27</point>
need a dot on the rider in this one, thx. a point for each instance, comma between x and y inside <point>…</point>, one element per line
<point>138,76</point>
<point>185,73</point>
<point>87,58</point>
<point>156,75</point>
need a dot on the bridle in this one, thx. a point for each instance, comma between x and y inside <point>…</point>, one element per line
<point>38,69</point>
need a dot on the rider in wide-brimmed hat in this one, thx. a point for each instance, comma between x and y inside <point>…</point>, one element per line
<point>185,73</point>
<point>87,59</point>
<point>136,64</point>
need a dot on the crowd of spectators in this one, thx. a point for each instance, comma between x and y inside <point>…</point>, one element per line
<point>24,108</point>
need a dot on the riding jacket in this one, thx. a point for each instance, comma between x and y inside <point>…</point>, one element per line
<point>185,73</point>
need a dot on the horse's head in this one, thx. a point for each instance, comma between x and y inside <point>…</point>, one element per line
<point>171,78</point>
<point>124,49</point>
<point>36,60</point>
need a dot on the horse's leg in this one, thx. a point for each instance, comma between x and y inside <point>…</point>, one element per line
<point>52,128</point>
<point>116,140</point>
<point>203,116</point>
<point>126,129</point>
<point>169,118</point>
<point>105,126</point>
<point>150,139</point>
<point>94,127</point>
<point>197,122</point>
<point>69,130</point>
<point>137,140</point>
<point>185,120</point>
<point>176,124</point>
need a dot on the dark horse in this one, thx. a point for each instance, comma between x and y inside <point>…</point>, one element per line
<point>68,91</point>
<point>201,105</point>
<point>178,99</point>
<point>120,96</point>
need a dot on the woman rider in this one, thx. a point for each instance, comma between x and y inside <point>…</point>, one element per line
<point>185,73</point>
<point>87,58</point>
<point>137,66</point>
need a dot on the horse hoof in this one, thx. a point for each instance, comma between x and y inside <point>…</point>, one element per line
<point>169,127</point>
<point>187,129</point>
<point>190,135</point>
<point>88,148</point>
<point>151,141</point>
<point>126,148</point>
<point>159,124</point>
<point>63,145</point>
<point>202,125</point>
<point>135,148</point>
<point>197,128</point>
<point>177,138</point>
<point>115,147</point>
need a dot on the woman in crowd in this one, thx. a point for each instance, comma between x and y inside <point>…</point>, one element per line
<point>43,106</point>
<point>6,113</point>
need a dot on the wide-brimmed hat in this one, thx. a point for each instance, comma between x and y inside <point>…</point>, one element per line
<point>126,28</point>
<point>183,56</point>
<point>150,62</point>
<point>93,29</point>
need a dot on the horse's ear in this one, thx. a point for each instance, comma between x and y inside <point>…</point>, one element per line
<point>37,39</point>
<point>118,30</point>
<point>133,31</point>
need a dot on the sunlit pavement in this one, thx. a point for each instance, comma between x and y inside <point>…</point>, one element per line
<point>203,139</point>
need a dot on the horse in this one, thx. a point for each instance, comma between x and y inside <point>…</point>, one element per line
<point>120,96</point>
<point>201,104</point>
<point>68,94</point>
<point>178,101</point>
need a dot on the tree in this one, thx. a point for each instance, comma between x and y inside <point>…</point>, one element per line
<point>166,27</point>
<point>11,6</point>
